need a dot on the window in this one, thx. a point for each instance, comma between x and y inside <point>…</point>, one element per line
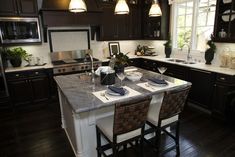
<point>193,23</point>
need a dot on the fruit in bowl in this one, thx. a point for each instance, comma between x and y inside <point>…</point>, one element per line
<point>134,76</point>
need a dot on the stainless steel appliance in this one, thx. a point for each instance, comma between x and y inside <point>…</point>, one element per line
<point>19,30</point>
<point>68,62</point>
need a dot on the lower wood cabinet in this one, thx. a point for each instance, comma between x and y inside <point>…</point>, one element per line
<point>202,87</point>
<point>223,95</point>
<point>28,87</point>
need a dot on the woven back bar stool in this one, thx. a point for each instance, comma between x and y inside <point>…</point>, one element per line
<point>127,125</point>
<point>165,115</point>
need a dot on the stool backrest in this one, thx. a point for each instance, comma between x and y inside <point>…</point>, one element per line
<point>173,102</point>
<point>130,115</point>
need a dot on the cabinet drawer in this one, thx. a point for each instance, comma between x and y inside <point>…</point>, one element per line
<point>225,78</point>
<point>37,73</point>
<point>16,75</point>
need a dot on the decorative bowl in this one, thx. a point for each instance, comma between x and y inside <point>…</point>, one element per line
<point>134,76</point>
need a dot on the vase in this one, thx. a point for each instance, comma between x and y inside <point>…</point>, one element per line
<point>209,56</point>
<point>119,69</point>
<point>168,52</point>
<point>16,61</point>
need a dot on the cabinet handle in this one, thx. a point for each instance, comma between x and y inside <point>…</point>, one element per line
<point>222,78</point>
<point>201,71</point>
<point>170,73</point>
<point>17,75</point>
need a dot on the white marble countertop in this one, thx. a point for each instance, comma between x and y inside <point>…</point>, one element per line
<point>201,66</point>
<point>17,69</point>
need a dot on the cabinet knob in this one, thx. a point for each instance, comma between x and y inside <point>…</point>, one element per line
<point>17,75</point>
<point>222,78</point>
<point>215,85</point>
<point>36,73</point>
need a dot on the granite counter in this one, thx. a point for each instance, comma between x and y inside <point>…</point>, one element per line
<point>80,108</point>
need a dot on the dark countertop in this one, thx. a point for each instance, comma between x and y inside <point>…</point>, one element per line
<point>78,88</point>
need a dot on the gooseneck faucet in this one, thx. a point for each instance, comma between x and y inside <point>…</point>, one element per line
<point>89,53</point>
<point>188,55</point>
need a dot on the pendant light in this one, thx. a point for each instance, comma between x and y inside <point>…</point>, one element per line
<point>155,9</point>
<point>77,6</point>
<point>121,7</point>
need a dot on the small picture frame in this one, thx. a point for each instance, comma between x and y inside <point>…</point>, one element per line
<point>114,48</point>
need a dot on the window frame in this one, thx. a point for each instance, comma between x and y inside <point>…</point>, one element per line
<point>194,25</point>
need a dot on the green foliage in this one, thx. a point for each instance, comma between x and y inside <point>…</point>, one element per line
<point>184,38</point>
<point>18,52</point>
<point>121,59</point>
<point>168,44</point>
<point>211,45</point>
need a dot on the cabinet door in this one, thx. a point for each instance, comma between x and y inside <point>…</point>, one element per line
<point>40,89</point>
<point>108,27</point>
<point>27,7</point>
<point>20,92</point>
<point>8,8</point>
<point>219,100</point>
<point>202,87</point>
<point>134,22</point>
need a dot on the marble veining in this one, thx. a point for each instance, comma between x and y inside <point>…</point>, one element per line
<point>78,88</point>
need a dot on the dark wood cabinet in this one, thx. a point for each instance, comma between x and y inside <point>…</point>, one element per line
<point>156,27</point>
<point>202,87</point>
<point>120,27</point>
<point>224,88</point>
<point>224,21</point>
<point>28,87</point>
<point>18,8</point>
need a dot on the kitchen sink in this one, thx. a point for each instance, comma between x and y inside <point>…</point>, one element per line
<point>180,61</point>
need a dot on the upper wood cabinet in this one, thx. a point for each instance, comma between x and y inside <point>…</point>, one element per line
<point>119,27</point>
<point>18,8</point>
<point>156,27</point>
<point>225,21</point>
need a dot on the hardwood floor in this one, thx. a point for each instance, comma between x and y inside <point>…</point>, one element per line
<point>37,133</point>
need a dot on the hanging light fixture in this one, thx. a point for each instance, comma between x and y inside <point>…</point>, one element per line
<point>155,9</point>
<point>77,6</point>
<point>121,7</point>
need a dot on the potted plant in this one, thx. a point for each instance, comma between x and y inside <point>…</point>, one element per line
<point>16,55</point>
<point>209,54</point>
<point>168,48</point>
<point>121,60</point>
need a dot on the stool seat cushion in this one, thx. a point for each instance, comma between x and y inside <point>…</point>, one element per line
<point>153,115</point>
<point>106,126</point>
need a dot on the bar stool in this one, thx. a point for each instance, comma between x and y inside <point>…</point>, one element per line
<point>127,125</point>
<point>165,115</point>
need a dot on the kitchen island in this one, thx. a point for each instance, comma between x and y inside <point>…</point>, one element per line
<point>81,106</point>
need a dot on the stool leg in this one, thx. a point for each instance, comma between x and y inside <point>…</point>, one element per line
<point>158,141</point>
<point>114,150</point>
<point>177,139</point>
<point>142,143</point>
<point>98,138</point>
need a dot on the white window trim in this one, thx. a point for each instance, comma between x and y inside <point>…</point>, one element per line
<point>174,14</point>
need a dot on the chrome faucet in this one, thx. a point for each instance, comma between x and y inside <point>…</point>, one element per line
<point>89,53</point>
<point>189,57</point>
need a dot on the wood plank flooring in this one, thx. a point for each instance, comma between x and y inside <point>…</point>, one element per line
<point>37,133</point>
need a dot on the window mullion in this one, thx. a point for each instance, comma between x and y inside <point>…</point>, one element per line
<point>194,24</point>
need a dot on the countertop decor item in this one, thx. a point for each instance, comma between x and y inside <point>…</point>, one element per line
<point>16,55</point>
<point>121,60</point>
<point>114,48</point>
<point>168,48</point>
<point>209,54</point>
